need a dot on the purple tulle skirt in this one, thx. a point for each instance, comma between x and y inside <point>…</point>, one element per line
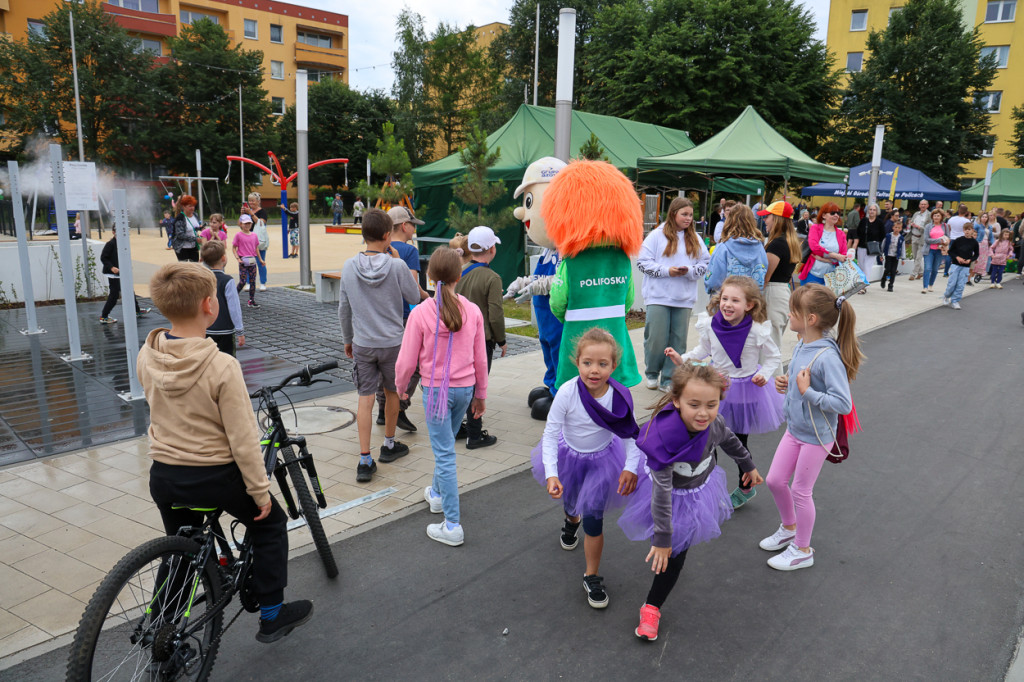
<point>590,480</point>
<point>749,408</point>
<point>697,515</point>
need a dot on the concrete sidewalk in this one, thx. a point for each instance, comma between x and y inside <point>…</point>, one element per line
<point>65,521</point>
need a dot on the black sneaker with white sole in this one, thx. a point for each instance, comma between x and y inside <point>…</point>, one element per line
<point>394,452</point>
<point>570,535</point>
<point>485,440</point>
<point>594,587</point>
<point>292,615</point>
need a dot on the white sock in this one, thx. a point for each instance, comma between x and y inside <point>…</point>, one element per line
<point>389,442</point>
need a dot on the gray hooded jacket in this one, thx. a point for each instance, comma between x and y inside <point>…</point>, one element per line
<point>373,287</point>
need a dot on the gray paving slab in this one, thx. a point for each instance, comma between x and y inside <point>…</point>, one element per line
<point>917,574</point>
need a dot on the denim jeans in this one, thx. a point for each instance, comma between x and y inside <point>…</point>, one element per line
<point>261,265</point>
<point>947,261</point>
<point>337,219</point>
<point>442,442</point>
<point>932,261</point>
<point>957,279</point>
<point>666,327</point>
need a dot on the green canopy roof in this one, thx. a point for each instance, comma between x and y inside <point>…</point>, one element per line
<point>747,147</point>
<point>1007,185</point>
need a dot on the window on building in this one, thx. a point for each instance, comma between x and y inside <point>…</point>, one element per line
<point>189,17</point>
<point>314,39</point>
<point>149,45</point>
<point>893,11</point>
<point>1002,53</point>
<point>276,33</point>
<point>859,20</point>
<point>992,101</point>
<point>36,28</point>
<point>277,105</point>
<point>854,61</point>
<point>314,76</point>
<point>277,70</point>
<point>1000,10</point>
<point>251,29</point>
<point>143,5</point>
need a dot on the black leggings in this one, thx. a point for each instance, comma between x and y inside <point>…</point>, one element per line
<point>666,580</point>
<point>743,439</point>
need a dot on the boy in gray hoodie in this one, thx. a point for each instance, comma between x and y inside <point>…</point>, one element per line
<point>373,286</point>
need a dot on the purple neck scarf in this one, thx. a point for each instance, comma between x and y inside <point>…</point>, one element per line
<point>665,440</point>
<point>619,420</point>
<point>731,337</point>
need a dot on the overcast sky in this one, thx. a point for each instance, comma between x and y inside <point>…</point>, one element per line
<point>372,28</point>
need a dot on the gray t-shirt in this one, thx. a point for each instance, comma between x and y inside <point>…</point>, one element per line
<point>830,242</point>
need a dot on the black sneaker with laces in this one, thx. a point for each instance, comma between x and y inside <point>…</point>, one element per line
<point>483,441</point>
<point>594,587</point>
<point>380,417</point>
<point>365,472</point>
<point>570,535</point>
<point>404,423</point>
<point>391,454</point>
<point>292,615</point>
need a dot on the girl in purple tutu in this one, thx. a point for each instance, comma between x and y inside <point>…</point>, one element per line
<point>682,500</point>
<point>588,456</point>
<point>736,335</point>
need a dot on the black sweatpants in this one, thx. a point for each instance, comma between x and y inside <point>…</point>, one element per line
<point>666,580</point>
<point>889,271</point>
<point>225,342</point>
<point>222,486</point>
<point>474,426</point>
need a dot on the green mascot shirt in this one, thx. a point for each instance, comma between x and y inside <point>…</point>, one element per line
<point>594,289</point>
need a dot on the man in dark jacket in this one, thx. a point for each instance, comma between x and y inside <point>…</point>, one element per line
<point>108,258</point>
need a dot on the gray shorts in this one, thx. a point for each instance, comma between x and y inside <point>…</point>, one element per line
<point>371,366</point>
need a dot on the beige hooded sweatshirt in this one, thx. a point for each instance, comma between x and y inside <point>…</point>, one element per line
<point>200,409</point>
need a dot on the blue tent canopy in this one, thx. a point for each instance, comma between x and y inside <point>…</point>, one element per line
<point>911,185</point>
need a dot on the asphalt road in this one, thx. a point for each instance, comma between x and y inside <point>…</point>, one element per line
<point>918,572</point>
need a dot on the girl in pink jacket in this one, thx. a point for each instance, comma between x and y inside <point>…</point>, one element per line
<point>445,337</point>
<point>1001,251</point>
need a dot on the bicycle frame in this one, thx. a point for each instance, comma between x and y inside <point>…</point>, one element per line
<point>273,440</point>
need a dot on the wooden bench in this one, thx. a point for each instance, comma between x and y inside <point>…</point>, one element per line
<point>328,286</point>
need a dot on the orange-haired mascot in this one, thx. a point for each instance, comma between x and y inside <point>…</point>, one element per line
<point>594,217</point>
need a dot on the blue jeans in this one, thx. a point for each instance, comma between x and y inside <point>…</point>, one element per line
<point>947,260</point>
<point>261,265</point>
<point>666,327</point>
<point>957,279</point>
<point>997,273</point>
<point>442,442</point>
<point>337,219</point>
<point>813,279</point>
<point>932,261</point>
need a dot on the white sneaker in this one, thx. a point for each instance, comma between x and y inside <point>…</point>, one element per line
<point>245,288</point>
<point>652,383</point>
<point>780,539</point>
<point>792,559</point>
<point>945,300</point>
<point>955,306</point>
<point>263,287</point>
<point>991,286</point>
<point>434,502</point>
<point>439,531</point>
<point>999,286</point>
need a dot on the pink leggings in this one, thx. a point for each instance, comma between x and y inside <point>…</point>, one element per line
<point>802,462</point>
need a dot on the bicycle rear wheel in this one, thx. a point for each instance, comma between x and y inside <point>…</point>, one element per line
<point>310,510</point>
<point>141,624</point>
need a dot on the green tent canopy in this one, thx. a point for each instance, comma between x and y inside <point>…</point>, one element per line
<point>1007,185</point>
<point>526,137</point>
<point>748,147</point>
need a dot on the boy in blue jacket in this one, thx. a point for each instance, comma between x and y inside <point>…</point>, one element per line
<point>894,250</point>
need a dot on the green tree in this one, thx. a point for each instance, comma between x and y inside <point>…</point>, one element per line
<point>411,101</point>
<point>592,149</point>
<point>344,123</point>
<point>202,113</point>
<point>475,191</point>
<point>391,161</point>
<point>1016,153</point>
<point>115,77</point>
<point>695,65</point>
<point>922,81</point>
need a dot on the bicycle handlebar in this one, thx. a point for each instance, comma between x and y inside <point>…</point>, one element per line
<point>305,374</point>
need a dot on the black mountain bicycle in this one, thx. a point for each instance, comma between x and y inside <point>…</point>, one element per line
<point>158,614</point>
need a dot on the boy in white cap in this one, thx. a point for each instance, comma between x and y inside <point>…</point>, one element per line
<point>482,286</point>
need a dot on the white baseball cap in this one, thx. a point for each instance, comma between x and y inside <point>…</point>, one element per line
<point>245,218</point>
<point>541,170</point>
<point>481,238</point>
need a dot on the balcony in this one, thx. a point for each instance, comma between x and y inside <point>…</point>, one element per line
<point>137,21</point>
<point>322,57</point>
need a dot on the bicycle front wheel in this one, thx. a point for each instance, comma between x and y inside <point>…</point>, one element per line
<point>310,511</point>
<point>151,618</point>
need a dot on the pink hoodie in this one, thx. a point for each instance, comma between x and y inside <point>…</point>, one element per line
<point>469,351</point>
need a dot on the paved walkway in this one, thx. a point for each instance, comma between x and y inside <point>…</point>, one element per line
<point>64,521</point>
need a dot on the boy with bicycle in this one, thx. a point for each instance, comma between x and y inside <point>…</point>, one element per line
<point>212,462</point>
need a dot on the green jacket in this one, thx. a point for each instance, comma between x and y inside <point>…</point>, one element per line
<point>482,286</point>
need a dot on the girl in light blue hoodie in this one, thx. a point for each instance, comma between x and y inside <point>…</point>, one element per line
<point>741,251</point>
<point>817,391</point>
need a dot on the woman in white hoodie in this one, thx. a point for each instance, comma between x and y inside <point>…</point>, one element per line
<point>673,259</point>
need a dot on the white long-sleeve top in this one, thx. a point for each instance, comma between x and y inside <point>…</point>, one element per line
<point>758,349</point>
<point>567,417</point>
<point>658,287</point>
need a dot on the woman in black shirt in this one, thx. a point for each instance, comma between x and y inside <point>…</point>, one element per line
<point>783,249</point>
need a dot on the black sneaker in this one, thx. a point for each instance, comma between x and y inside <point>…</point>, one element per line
<point>462,434</point>
<point>380,417</point>
<point>594,587</point>
<point>292,615</point>
<point>365,472</point>
<point>889,290</point>
<point>483,441</point>
<point>391,454</point>
<point>404,423</point>
<point>570,535</point>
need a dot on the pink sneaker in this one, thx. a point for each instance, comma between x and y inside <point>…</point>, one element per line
<point>649,618</point>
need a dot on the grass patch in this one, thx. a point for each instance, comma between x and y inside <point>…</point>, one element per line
<point>521,311</point>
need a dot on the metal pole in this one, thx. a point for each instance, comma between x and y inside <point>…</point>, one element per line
<point>241,140</point>
<point>19,227</point>
<point>876,164</point>
<point>129,314</point>
<point>199,180</point>
<point>536,54</point>
<point>66,260</point>
<point>302,159</point>
<point>563,84</point>
<point>81,157</point>
<point>988,183</point>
